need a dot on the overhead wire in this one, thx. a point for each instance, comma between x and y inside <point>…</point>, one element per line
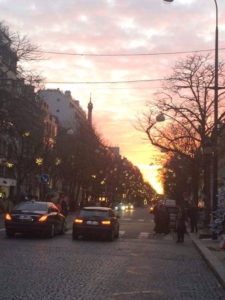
<point>117,55</point>
<point>125,54</point>
<point>106,82</point>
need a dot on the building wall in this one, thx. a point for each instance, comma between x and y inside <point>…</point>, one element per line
<point>61,105</point>
<point>8,76</point>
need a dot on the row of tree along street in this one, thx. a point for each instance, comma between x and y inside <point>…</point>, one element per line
<point>186,135</point>
<point>79,164</point>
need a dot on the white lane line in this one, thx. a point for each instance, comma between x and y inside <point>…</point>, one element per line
<point>141,220</point>
<point>122,232</point>
<point>143,235</point>
<point>2,229</point>
<point>125,219</point>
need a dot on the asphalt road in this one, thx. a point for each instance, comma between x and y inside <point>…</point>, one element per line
<point>137,266</point>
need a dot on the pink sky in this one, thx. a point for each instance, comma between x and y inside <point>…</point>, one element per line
<point>112,27</point>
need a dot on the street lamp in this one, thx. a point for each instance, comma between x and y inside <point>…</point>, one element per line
<point>215,157</point>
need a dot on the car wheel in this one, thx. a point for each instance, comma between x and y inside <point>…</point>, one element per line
<point>111,235</point>
<point>51,231</point>
<point>9,233</point>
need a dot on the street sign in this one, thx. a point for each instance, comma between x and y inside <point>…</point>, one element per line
<point>45,178</point>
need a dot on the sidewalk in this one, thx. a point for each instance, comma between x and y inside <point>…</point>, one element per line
<point>211,252</point>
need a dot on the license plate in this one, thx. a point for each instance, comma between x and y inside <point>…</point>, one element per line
<point>92,222</point>
<point>26,218</point>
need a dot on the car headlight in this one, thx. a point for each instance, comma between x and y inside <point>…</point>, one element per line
<point>131,206</point>
<point>123,207</point>
<point>116,208</point>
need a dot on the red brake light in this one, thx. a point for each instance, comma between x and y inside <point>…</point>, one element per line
<point>8,217</point>
<point>106,222</point>
<point>78,221</point>
<point>43,218</point>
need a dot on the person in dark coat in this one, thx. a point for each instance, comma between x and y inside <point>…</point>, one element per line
<point>156,218</point>
<point>163,220</point>
<point>64,207</point>
<point>193,216</point>
<point>180,225</point>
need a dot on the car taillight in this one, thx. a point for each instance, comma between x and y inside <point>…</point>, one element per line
<point>8,217</point>
<point>78,221</point>
<point>106,222</point>
<point>43,218</point>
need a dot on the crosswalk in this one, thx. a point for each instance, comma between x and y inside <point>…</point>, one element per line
<point>139,235</point>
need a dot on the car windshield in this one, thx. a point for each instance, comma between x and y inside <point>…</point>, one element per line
<point>93,212</point>
<point>32,207</point>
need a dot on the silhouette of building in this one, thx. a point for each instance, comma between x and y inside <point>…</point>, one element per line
<point>90,108</point>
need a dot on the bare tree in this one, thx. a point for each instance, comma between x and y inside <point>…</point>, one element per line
<point>187,102</point>
<point>21,52</point>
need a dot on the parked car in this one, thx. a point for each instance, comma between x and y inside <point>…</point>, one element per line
<point>42,218</point>
<point>98,221</point>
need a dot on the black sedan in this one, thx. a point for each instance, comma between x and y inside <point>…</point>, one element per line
<point>42,218</point>
<point>98,221</point>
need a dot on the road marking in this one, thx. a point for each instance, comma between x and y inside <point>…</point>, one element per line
<point>122,232</point>
<point>125,219</point>
<point>141,220</point>
<point>143,235</point>
<point>2,229</point>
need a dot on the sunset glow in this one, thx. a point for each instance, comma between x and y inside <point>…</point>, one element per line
<point>96,40</point>
<point>150,174</point>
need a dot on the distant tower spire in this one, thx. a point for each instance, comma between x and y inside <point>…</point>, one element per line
<point>90,107</point>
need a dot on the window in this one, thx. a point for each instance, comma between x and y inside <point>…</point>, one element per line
<point>94,212</point>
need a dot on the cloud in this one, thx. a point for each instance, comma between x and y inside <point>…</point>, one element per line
<point>113,26</point>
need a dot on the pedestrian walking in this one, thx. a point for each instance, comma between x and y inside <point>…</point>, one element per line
<point>163,217</point>
<point>59,205</point>
<point>193,217</point>
<point>64,206</point>
<point>156,218</point>
<point>180,225</point>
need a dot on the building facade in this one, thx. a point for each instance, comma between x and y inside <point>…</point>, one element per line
<point>66,109</point>
<point>8,76</point>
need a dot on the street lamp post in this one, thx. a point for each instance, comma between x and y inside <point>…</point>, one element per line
<point>215,157</point>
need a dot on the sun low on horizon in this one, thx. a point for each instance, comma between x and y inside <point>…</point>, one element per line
<point>151,175</point>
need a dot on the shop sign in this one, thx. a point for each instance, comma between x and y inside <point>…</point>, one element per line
<point>7,182</point>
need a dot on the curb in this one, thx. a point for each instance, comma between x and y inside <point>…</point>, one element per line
<point>212,261</point>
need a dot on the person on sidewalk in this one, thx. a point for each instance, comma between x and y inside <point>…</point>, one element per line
<point>64,206</point>
<point>180,225</point>
<point>193,216</point>
<point>156,218</point>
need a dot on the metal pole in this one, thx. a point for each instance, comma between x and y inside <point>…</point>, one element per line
<point>215,157</point>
